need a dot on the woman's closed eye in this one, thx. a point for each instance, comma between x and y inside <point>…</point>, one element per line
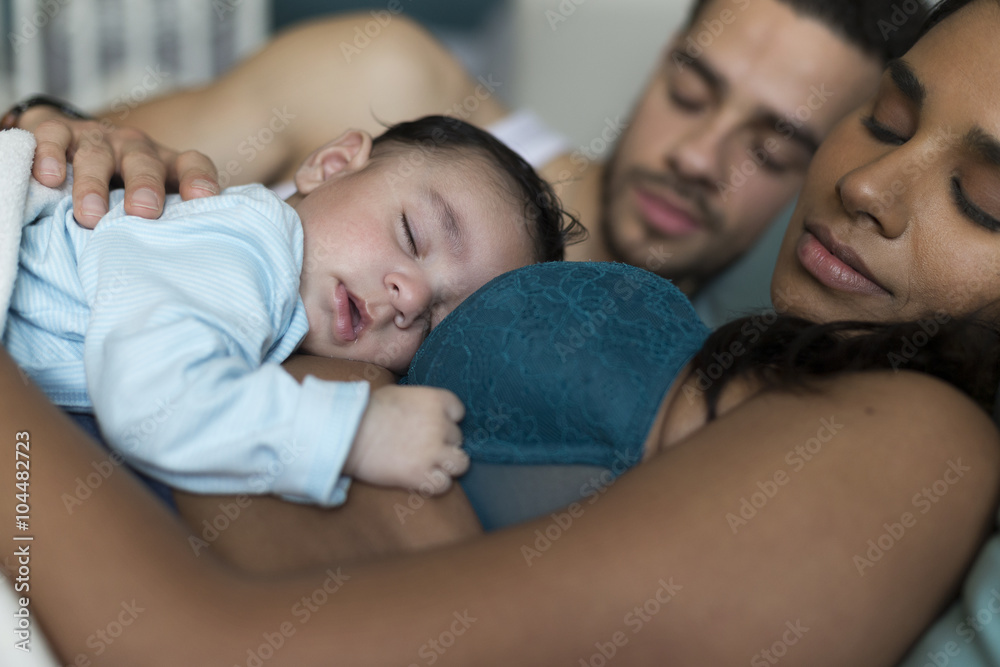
<point>970,210</point>
<point>881,132</point>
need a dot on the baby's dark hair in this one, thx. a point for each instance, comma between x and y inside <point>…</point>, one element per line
<point>551,227</point>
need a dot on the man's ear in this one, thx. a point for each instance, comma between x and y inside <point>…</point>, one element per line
<point>348,152</point>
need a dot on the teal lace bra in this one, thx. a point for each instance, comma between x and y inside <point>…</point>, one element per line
<point>562,362</point>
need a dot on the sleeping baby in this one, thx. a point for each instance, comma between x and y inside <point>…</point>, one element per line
<point>171,331</point>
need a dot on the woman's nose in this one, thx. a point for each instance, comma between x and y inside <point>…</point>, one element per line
<point>881,192</point>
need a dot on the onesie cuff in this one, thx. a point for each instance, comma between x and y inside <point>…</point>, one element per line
<point>327,420</point>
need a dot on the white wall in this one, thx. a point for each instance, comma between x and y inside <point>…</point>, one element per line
<point>590,66</point>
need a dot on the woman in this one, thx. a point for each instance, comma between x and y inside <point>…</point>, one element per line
<point>652,571</point>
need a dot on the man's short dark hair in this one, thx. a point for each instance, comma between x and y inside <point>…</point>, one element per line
<point>885,29</point>
<point>941,11</point>
<point>551,228</point>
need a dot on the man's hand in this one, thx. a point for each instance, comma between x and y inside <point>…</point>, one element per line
<point>409,438</point>
<point>99,151</point>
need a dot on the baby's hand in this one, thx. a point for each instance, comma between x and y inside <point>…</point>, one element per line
<point>409,437</point>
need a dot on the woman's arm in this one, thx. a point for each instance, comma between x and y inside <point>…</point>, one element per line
<point>651,570</point>
<point>266,534</point>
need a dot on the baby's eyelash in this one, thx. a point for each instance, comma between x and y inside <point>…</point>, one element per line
<point>409,234</point>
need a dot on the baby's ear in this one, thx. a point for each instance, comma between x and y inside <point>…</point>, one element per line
<point>348,152</point>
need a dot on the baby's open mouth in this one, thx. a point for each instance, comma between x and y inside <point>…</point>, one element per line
<point>355,313</point>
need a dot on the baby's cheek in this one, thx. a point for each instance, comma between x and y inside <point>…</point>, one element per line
<point>401,351</point>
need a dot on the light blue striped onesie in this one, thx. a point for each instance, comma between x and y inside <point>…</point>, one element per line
<point>172,330</point>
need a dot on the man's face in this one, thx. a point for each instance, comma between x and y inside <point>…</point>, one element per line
<point>721,137</point>
<point>390,249</point>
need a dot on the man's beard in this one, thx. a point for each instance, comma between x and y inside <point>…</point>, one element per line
<point>613,188</point>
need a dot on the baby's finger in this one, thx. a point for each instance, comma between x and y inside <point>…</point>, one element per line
<point>53,139</point>
<point>451,435</point>
<point>454,409</point>
<point>456,462</point>
<point>442,482</point>
<point>195,174</point>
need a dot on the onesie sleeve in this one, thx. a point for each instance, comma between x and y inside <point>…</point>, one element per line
<point>190,318</point>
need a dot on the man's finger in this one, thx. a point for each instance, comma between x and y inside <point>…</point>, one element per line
<point>195,174</point>
<point>144,174</point>
<point>93,167</point>
<point>53,140</point>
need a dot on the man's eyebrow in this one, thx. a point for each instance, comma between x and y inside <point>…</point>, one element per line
<point>984,144</point>
<point>802,135</point>
<point>906,80</point>
<point>450,221</point>
<point>703,69</point>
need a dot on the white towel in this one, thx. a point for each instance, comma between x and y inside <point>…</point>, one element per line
<point>22,199</point>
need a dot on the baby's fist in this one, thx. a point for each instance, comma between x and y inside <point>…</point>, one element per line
<point>409,437</point>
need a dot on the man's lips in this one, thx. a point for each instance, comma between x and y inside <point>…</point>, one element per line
<point>351,317</point>
<point>834,264</point>
<point>664,215</point>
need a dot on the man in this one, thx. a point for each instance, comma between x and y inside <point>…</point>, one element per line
<point>717,145</point>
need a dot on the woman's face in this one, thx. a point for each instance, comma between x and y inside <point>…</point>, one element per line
<point>900,214</point>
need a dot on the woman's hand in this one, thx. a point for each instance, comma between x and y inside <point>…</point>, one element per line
<point>99,151</point>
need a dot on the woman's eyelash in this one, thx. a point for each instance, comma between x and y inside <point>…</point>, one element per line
<point>409,235</point>
<point>881,132</point>
<point>970,210</point>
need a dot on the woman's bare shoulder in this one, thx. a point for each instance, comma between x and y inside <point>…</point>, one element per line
<point>914,402</point>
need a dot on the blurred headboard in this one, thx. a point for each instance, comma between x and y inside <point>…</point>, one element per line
<point>101,52</point>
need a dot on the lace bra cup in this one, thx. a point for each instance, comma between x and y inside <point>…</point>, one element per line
<point>562,362</point>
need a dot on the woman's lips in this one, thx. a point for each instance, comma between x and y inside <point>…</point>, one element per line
<point>833,271</point>
<point>346,322</point>
<point>664,216</point>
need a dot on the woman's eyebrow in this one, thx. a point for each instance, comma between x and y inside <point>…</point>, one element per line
<point>983,144</point>
<point>902,74</point>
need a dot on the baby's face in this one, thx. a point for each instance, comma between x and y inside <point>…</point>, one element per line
<point>392,247</point>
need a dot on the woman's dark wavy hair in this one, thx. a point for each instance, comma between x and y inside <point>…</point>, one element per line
<point>788,353</point>
<point>551,227</point>
<point>791,353</point>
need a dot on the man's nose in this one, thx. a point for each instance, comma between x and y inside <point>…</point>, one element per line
<point>696,155</point>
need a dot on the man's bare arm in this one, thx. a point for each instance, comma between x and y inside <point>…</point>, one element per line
<point>266,115</point>
<point>263,117</point>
